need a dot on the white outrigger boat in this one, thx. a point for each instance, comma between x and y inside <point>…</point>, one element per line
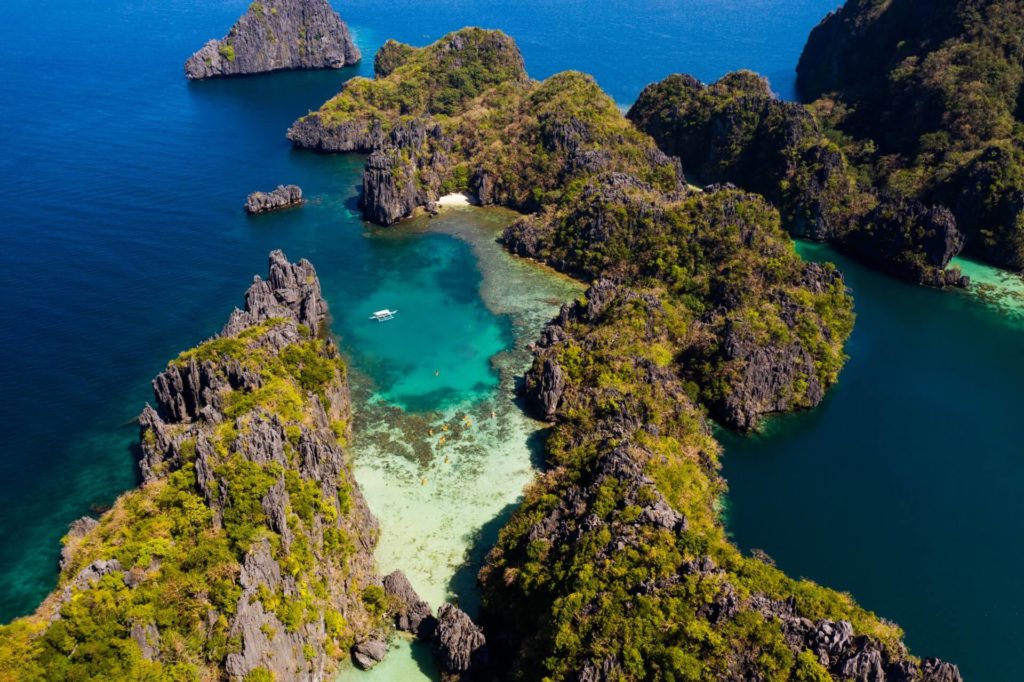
<point>384,315</point>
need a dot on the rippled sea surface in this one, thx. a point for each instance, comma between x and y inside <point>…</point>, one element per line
<point>122,241</point>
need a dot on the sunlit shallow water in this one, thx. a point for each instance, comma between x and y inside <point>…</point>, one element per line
<point>443,476</point>
<point>122,242</point>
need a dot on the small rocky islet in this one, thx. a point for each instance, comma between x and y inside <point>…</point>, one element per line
<point>275,35</point>
<point>284,196</point>
<point>247,551</point>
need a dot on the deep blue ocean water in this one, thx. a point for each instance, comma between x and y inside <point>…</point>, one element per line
<point>122,241</point>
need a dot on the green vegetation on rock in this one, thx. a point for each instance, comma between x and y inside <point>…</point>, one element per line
<point>737,131</point>
<point>246,550</point>
<point>927,101</point>
<point>616,567</point>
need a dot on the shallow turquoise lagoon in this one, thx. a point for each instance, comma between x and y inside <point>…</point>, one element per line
<point>122,242</point>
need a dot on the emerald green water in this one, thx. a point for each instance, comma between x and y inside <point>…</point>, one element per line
<point>123,242</point>
<point>904,486</point>
<point>443,476</point>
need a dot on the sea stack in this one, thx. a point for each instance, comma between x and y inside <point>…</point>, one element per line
<point>274,35</point>
<point>285,196</point>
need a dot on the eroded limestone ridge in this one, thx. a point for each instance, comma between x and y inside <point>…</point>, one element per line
<point>617,566</point>
<point>274,35</point>
<point>736,130</point>
<point>247,551</point>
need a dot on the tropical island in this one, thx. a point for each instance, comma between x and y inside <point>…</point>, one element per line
<point>246,554</point>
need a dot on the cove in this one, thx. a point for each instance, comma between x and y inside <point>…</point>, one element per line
<point>123,242</point>
<point>442,468</point>
<point>903,487</point>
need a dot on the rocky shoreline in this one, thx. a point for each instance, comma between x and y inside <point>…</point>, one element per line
<point>737,131</point>
<point>248,495</point>
<point>612,509</point>
<point>699,303</point>
<point>927,100</point>
<point>275,35</point>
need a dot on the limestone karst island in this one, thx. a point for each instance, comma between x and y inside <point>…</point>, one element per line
<point>596,342</point>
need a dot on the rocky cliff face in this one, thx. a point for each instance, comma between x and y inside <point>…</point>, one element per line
<point>198,394</point>
<point>616,567</point>
<point>277,34</point>
<point>285,196</point>
<point>927,98</point>
<point>737,131</point>
<point>247,552</point>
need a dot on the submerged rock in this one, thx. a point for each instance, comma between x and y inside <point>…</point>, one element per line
<point>285,196</point>
<point>277,34</point>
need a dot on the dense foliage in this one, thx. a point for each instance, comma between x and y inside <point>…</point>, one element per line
<point>153,591</point>
<point>461,115</point>
<point>766,330</point>
<point>926,97</point>
<point>616,567</point>
<point>737,131</point>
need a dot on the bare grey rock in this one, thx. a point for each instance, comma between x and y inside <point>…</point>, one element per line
<point>94,571</point>
<point>291,291</point>
<point>459,645</point>
<point>412,614</point>
<point>285,196</point>
<point>277,34</point>
<point>389,187</point>
<point>369,653</point>
<point>607,670</point>
<point>547,390</point>
<point>864,666</point>
<point>934,670</point>
<point>275,505</point>
<point>147,637</point>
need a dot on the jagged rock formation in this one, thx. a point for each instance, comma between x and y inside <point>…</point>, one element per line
<point>411,614</point>
<point>737,131</point>
<point>247,552</point>
<point>617,567</point>
<point>285,196</point>
<point>277,34</point>
<point>462,115</point>
<point>369,653</point>
<point>926,98</point>
<point>460,647</point>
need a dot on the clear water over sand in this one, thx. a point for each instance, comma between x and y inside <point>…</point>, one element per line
<point>443,473</point>
<point>123,241</point>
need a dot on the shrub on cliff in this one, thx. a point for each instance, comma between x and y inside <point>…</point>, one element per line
<point>937,88</point>
<point>737,131</point>
<point>245,551</point>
